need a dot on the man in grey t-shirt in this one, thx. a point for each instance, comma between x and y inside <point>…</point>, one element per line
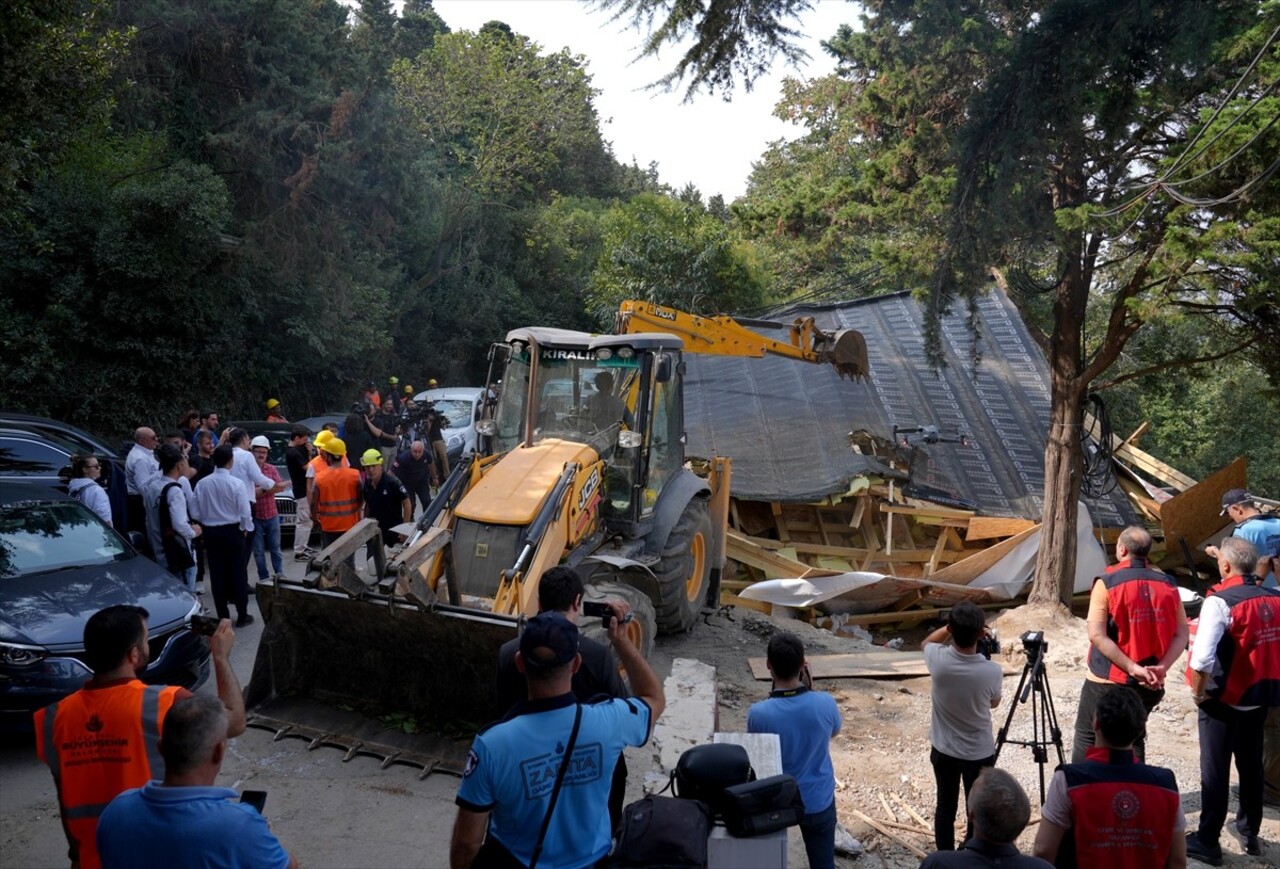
<point>966,687</point>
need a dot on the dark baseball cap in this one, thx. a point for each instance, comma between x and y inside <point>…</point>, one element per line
<point>1232,497</point>
<point>549,640</point>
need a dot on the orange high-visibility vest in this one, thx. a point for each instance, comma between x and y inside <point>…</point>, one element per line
<point>98,743</point>
<point>338,499</point>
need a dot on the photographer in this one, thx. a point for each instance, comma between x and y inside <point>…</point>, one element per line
<point>966,687</point>
<point>385,426</point>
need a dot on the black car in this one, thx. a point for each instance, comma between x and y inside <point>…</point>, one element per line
<point>36,449</point>
<point>59,564</point>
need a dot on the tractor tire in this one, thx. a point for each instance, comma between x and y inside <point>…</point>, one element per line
<point>685,569</point>
<point>641,627</point>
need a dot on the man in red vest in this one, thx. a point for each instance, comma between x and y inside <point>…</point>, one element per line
<point>1137,630</point>
<point>1236,680</point>
<point>1111,810</point>
<point>104,738</point>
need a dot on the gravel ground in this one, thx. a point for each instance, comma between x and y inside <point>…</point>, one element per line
<point>882,754</point>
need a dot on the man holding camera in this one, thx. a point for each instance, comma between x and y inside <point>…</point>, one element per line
<point>1137,629</point>
<point>184,820</point>
<point>103,739</point>
<point>518,799</point>
<point>966,686</point>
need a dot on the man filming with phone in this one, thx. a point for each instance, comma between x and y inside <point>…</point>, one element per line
<point>184,820</point>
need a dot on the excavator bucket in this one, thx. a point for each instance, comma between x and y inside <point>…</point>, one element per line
<point>847,351</point>
<point>375,674</point>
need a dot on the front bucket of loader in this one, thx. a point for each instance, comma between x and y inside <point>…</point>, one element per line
<point>375,676</point>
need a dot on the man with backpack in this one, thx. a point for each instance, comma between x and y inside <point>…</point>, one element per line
<point>167,498</point>
<point>536,784</point>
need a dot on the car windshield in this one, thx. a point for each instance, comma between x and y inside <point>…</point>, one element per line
<point>39,537</point>
<point>456,410</point>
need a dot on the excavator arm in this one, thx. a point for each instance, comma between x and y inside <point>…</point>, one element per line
<point>724,336</point>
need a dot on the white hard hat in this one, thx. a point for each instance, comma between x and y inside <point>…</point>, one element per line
<point>260,441</point>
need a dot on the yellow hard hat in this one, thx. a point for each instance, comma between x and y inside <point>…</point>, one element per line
<point>408,390</point>
<point>323,438</point>
<point>393,380</point>
<point>431,384</point>
<point>272,404</point>
<point>334,446</point>
<point>371,457</point>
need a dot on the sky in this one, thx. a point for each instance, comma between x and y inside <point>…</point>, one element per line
<point>708,142</point>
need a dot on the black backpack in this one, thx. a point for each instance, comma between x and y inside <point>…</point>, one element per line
<point>663,833</point>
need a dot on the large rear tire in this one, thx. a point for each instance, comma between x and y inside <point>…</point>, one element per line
<point>641,627</point>
<point>685,569</point>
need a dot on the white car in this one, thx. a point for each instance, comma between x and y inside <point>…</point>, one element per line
<point>460,406</point>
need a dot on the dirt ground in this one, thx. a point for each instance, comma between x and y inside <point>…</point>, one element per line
<point>882,754</point>
<point>331,813</point>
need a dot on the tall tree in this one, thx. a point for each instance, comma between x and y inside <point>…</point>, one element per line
<point>1031,127</point>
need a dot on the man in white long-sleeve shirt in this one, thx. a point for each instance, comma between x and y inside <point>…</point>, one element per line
<point>223,511</point>
<point>172,490</point>
<point>245,467</point>
<point>140,467</point>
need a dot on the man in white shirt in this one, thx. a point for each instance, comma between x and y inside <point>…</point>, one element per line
<point>223,512</point>
<point>140,466</point>
<point>966,687</point>
<point>245,468</point>
<point>172,490</point>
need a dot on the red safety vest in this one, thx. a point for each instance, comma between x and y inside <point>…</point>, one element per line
<point>339,503</point>
<point>1142,617</point>
<point>1193,625</point>
<point>99,742</point>
<point>1122,811</point>
<point>1249,652</point>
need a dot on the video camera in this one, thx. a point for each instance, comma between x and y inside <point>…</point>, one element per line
<point>1034,643</point>
<point>988,645</point>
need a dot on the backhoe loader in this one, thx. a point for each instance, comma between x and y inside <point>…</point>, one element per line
<point>581,461</point>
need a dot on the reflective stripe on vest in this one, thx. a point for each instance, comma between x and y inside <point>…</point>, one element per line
<point>1122,812</point>
<point>1249,652</point>
<point>99,742</point>
<point>1142,618</point>
<point>338,502</point>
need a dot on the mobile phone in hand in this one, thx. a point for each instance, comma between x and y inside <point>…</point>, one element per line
<point>257,799</point>
<point>204,626</point>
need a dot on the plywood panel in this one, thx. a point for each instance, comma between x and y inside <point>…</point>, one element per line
<point>990,527</point>
<point>1193,515</point>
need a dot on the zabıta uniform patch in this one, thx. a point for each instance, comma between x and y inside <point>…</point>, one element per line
<point>473,761</point>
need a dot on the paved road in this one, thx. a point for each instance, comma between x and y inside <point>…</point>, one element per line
<point>328,813</point>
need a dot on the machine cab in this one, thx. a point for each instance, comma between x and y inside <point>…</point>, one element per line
<point>618,394</point>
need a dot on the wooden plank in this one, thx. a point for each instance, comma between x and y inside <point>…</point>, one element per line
<point>1132,440</point>
<point>780,525</point>
<point>859,510</point>
<point>1195,514</point>
<point>968,569</point>
<point>774,565</point>
<point>1142,461</point>
<point>912,812</point>
<point>806,548</point>
<point>873,664</point>
<point>929,512</point>
<point>885,831</point>
<point>990,527</point>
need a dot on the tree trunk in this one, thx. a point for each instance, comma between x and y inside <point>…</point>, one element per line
<point>1056,562</point>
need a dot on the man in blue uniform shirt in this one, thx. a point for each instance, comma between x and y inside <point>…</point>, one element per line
<point>505,801</point>
<point>805,722</point>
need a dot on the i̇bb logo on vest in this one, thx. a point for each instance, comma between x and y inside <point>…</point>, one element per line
<point>1126,805</point>
<point>94,724</point>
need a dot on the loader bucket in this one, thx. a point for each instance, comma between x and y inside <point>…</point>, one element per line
<point>375,676</point>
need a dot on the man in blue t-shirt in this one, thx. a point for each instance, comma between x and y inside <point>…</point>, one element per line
<point>510,777</point>
<point>1259,529</point>
<point>185,821</point>
<point>805,722</point>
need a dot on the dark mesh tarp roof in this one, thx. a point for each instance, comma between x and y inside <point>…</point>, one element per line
<point>786,423</point>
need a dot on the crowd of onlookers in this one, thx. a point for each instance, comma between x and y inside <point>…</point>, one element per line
<point>136,785</point>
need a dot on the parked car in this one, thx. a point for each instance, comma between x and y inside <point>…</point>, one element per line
<point>59,564</point>
<point>460,406</point>
<point>315,423</point>
<point>39,450</point>
<point>279,433</point>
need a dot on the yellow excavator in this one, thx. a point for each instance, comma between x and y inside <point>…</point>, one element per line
<point>581,462</point>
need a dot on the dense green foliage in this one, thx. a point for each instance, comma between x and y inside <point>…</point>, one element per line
<point>210,202</point>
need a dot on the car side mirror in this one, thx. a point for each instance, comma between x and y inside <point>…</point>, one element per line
<point>663,374</point>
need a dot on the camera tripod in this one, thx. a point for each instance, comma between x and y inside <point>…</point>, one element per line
<point>1044,718</point>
